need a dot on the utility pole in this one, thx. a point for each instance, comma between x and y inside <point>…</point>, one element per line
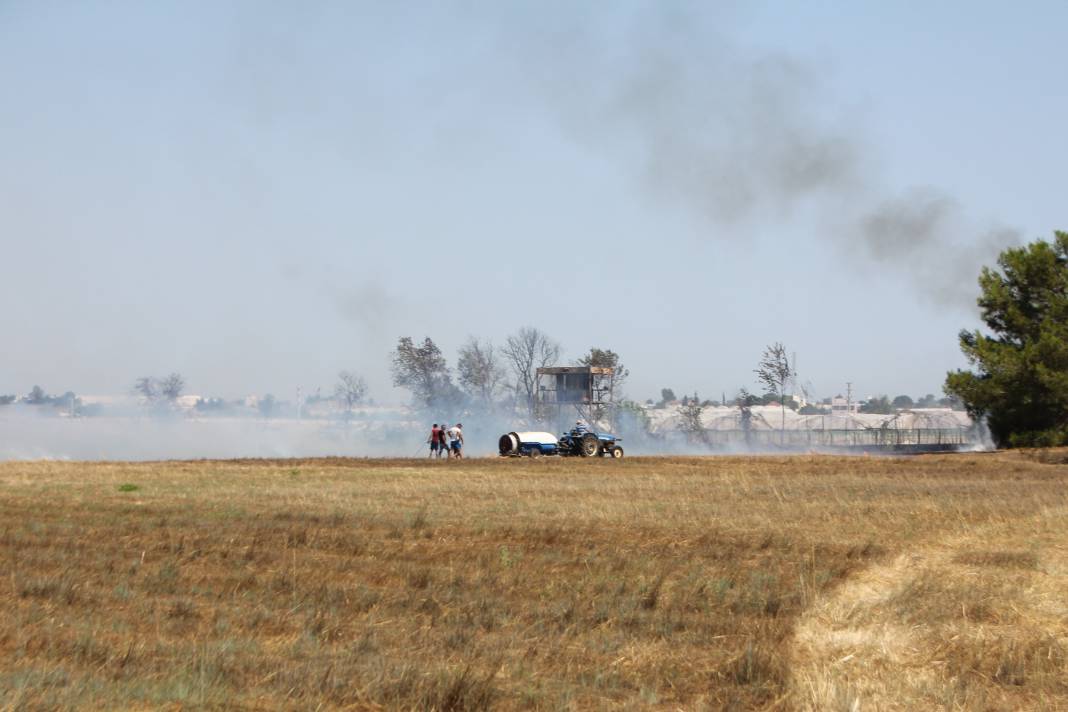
<point>795,385</point>
<point>849,397</point>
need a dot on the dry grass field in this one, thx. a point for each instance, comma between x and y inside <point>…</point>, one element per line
<point>816,583</point>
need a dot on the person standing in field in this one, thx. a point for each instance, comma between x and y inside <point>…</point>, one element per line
<point>435,441</point>
<point>456,440</point>
<point>443,441</point>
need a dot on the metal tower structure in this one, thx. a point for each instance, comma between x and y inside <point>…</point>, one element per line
<point>585,391</point>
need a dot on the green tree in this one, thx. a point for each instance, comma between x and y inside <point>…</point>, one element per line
<point>879,405</point>
<point>633,421</point>
<point>607,358</point>
<point>928,401</point>
<point>1020,382</point>
<point>903,402</point>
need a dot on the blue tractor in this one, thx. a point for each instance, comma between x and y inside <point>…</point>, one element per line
<point>578,442</point>
<point>585,443</point>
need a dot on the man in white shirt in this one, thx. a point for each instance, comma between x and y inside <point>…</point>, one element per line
<point>456,440</point>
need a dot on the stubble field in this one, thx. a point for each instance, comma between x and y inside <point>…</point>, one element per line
<point>802,582</point>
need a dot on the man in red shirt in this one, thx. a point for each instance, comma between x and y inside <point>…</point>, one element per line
<point>435,441</point>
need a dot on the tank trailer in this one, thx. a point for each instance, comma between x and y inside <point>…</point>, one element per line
<point>574,443</point>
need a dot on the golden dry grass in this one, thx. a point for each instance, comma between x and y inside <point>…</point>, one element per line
<point>682,583</point>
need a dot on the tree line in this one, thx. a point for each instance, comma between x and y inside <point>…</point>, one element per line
<point>1017,384</point>
<point>487,377</point>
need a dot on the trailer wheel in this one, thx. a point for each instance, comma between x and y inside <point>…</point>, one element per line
<point>534,453</point>
<point>617,453</point>
<point>591,447</point>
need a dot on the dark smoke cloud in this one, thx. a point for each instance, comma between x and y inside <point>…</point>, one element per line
<point>900,228</point>
<point>737,135</point>
<point>926,235</point>
<point>732,138</point>
<point>369,305</point>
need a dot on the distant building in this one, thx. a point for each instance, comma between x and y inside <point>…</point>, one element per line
<point>841,406</point>
<point>187,402</point>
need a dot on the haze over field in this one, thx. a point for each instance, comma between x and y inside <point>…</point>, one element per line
<point>258,196</point>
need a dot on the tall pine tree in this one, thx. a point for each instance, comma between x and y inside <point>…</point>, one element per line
<point>1020,382</point>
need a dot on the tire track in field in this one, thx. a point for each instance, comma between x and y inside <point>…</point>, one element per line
<point>974,622</point>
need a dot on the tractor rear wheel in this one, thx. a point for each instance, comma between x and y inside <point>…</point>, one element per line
<point>591,447</point>
<point>617,453</point>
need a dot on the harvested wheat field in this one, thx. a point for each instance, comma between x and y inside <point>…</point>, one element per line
<point>683,583</point>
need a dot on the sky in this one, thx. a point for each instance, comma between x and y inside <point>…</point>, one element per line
<point>258,195</point>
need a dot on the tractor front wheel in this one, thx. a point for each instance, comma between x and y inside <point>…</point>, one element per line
<point>591,447</point>
<point>617,453</point>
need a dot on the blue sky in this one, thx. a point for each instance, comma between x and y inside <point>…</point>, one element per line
<point>259,195</point>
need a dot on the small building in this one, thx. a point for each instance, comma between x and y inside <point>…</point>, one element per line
<point>841,406</point>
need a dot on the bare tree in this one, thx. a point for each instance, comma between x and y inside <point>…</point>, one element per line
<point>745,401</point>
<point>526,351</point>
<point>690,421</point>
<point>774,371</point>
<point>146,387</point>
<point>170,387</point>
<point>160,392</point>
<point>423,371</point>
<point>350,389</point>
<point>479,371</point>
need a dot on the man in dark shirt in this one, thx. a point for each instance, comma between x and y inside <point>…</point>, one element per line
<point>435,441</point>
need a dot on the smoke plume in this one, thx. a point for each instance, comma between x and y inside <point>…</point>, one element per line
<point>738,135</point>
